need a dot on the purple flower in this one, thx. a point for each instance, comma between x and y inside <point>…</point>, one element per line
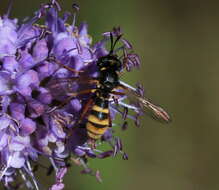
<point>8,37</point>
<point>39,115</point>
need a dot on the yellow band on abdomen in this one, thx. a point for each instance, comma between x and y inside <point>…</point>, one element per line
<point>98,131</point>
<point>94,119</point>
<point>99,109</point>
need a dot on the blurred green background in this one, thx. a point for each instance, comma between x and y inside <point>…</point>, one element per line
<point>178,42</point>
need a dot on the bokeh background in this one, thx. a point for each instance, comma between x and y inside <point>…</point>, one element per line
<point>178,42</point>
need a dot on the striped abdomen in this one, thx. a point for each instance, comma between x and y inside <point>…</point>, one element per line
<point>98,119</point>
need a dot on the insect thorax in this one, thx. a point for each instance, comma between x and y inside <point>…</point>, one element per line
<point>108,80</point>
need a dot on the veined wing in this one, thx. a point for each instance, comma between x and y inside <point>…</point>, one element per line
<point>154,111</point>
<point>60,87</point>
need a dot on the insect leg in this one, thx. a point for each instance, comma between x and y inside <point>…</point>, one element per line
<point>110,119</point>
<point>81,92</point>
<point>86,109</point>
<point>118,93</point>
<point>64,66</point>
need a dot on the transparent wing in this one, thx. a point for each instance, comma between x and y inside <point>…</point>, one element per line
<point>154,111</point>
<point>60,87</point>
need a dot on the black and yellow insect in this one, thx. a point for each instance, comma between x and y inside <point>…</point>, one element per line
<point>96,110</point>
<point>99,117</point>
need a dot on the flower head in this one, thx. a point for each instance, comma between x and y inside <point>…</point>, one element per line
<point>40,116</point>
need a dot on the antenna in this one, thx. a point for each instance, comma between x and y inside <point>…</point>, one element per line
<point>113,44</point>
<point>111,41</point>
<point>117,39</point>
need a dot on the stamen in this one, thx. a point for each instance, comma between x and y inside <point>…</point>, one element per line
<point>105,154</point>
<point>76,9</point>
<point>79,48</point>
<point>97,174</point>
<point>140,89</point>
<point>58,7</point>
<point>115,151</point>
<point>54,164</point>
<point>86,168</point>
<point>127,85</point>
<point>132,107</point>
<point>120,112</point>
<point>65,16</point>
<point>125,156</point>
<point>4,169</point>
<point>126,43</point>
<point>118,144</point>
<point>24,42</point>
<point>26,181</point>
<point>125,112</point>
<point>137,121</point>
<point>125,125</point>
<point>9,8</point>
<point>29,171</point>
<point>26,27</point>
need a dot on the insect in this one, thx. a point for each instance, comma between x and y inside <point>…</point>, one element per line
<point>96,110</point>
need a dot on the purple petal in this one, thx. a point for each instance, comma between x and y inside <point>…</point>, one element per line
<point>8,37</point>
<point>28,126</point>
<point>64,43</point>
<point>17,160</point>
<point>8,29</point>
<point>35,108</point>
<point>91,154</point>
<point>17,110</point>
<point>125,156</point>
<point>61,173</point>
<point>100,50</point>
<point>107,136</point>
<point>46,69</point>
<point>5,85</point>
<point>4,122</point>
<point>84,38</point>
<point>83,29</point>
<point>40,51</point>
<point>98,177</point>
<point>52,20</point>
<point>26,59</point>
<point>57,186</point>
<point>3,140</point>
<point>27,79</point>
<point>57,128</point>
<point>10,64</point>
<point>79,152</point>
<point>127,44</point>
<point>60,148</point>
<point>45,97</point>
<point>19,143</point>
<point>86,171</point>
<point>105,154</point>
<point>76,104</point>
